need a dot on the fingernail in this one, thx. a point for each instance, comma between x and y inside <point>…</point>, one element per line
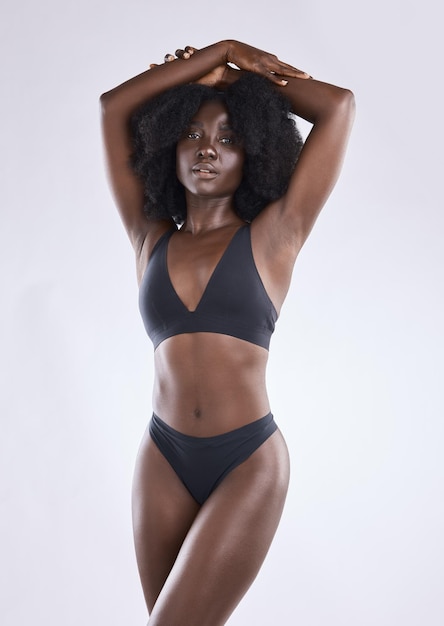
<point>284,82</point>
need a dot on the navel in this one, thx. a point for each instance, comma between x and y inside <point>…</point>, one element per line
<point>197,413</point>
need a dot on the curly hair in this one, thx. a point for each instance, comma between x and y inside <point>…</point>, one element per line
<point>261,119</point>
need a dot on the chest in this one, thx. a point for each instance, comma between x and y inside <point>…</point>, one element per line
<point>212,291</point>
<point>191,265</point>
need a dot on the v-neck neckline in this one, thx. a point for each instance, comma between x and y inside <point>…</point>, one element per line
<point>212,275</point>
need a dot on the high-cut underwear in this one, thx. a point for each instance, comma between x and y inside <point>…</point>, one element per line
<point>202,463</point>
<point>234,301</point>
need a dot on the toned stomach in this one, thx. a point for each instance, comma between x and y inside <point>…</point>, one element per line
<point>206,383</point>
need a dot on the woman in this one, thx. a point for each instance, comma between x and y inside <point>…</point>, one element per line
<point>212,471</point>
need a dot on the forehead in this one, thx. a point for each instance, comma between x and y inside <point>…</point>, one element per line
<point>211,111</point>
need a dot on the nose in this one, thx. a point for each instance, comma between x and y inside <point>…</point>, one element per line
<point>207,151</point>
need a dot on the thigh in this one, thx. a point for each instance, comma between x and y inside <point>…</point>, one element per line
<point>227,542</point>
<point>163,511</point>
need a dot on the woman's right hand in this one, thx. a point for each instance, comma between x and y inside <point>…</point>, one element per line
<point>245,57</point>
<point>254,60</point>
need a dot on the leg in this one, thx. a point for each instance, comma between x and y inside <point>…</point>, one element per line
<point>227,542</point>
<point>163,511</point>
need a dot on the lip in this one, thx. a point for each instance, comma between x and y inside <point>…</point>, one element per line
<point>204,170</point>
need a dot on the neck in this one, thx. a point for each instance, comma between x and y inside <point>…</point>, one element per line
<point>205,215</point>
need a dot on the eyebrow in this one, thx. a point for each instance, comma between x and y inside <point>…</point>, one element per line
<point>225,126</point>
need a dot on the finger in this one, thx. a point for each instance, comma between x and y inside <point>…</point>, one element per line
<point>293,72</point>
<point>273,76</point>
<point>168,58</point>
<point>277,76</point>
<point>153,65</point>
<point>182,54</point>
<point>304,76</point>
<point>285,69</point>
<point>277,80</point>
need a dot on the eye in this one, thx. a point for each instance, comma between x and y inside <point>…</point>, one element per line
<point>192,134</point>
<point>228,140</point>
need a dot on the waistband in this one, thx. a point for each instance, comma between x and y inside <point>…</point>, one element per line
<point>263,423</point>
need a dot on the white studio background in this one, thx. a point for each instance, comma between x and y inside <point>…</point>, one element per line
<point>355,373</point>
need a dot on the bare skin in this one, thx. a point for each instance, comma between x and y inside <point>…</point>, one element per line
<point>196,562</point>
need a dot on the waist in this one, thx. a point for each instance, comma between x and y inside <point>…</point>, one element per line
<point>207,383</point>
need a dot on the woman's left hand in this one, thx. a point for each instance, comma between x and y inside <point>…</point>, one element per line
<point>180,54</point>
<point>219,78</point>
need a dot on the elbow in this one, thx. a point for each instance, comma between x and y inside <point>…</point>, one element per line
<point>347,102</point>
<point>344,106</point>
<point>109,101</point>
<point>104,102</point>
<point>339,104</point>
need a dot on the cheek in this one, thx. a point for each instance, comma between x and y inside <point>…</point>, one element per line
<point>178,172</point>
<point>237,166</point>
<point>180,163</point>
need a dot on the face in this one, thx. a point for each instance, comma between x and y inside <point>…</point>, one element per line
<point>209,157</point>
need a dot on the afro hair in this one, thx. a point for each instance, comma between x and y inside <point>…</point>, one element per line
<point>261,118</point>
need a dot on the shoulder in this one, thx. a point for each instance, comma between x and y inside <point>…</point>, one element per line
<point>157,231</point>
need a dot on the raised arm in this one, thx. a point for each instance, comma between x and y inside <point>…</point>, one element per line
<point>331,111</point>
<point>117,106</point>
<point>120,103</point>
<point>281,229</point>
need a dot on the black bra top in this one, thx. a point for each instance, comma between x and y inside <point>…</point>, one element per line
<point>234,301</point>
